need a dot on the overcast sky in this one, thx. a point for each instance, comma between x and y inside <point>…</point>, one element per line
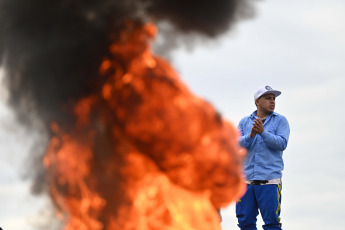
<point>297,47</point>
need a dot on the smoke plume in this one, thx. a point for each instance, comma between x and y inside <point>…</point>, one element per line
<point>51,51</point>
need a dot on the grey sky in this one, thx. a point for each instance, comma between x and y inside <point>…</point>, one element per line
<point>294,46</point>
<point>297,47</point>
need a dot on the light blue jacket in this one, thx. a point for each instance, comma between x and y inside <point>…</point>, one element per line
<point>264,160</point>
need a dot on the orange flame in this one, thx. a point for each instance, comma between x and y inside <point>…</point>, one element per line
<point>144,153</point>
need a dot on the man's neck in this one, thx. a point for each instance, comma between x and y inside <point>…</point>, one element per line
<point>262,114</point>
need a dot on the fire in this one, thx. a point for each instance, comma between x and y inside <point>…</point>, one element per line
<point>144,152</point>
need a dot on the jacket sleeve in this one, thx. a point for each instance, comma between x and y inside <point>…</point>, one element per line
<point>279,140</point>
<point>245,140</point>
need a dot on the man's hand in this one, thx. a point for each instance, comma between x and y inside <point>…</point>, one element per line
<point>252,132</point>
<point>258,126</point>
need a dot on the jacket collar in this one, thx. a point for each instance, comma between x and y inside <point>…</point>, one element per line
<point>253,115</point>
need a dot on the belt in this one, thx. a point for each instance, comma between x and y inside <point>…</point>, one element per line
<point>262,182</point>
<point>258,182</point>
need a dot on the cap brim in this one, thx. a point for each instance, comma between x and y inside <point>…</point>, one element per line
<point>274,92</point>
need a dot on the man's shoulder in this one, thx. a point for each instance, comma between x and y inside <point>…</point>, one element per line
<point>246,120</point>
<point>278,115</point>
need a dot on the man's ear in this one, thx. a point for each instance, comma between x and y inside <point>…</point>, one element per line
<point>256,102</point>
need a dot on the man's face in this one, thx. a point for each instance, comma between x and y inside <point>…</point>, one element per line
<point>266,103</point>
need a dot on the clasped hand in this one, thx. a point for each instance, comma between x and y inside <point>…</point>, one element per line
<point>258,127</point>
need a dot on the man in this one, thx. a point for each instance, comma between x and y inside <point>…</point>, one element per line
<point>265,135</point>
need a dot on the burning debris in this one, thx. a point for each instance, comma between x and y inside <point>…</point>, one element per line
<point>130,146</point>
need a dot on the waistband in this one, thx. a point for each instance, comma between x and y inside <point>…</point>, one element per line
<point>264,182</point>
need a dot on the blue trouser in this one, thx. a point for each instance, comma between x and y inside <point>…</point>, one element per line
<point>267,199</point>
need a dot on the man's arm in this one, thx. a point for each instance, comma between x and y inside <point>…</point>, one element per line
<point>245,139</point>
<point>279,140</point>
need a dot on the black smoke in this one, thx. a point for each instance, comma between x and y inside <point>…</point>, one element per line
<point>51,50</point>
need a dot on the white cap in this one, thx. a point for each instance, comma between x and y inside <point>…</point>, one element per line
<point>266,90</point>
